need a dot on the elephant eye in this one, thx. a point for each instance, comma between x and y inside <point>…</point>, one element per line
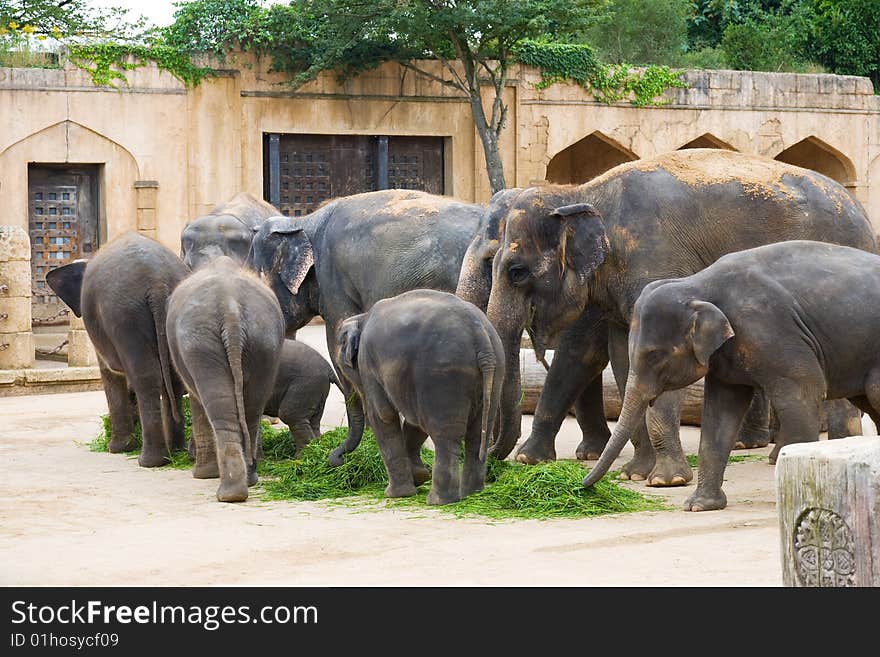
<point>518,274</point>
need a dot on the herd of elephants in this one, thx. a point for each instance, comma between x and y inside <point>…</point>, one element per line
<point>760,277</point>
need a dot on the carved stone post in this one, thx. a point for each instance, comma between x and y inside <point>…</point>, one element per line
<point>828,498</point>
<point>16,338</point>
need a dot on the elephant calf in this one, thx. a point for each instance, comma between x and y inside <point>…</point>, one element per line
<point>300,392</point>
<point>437,361</point>
<point>798,320</point>
<point>225,332</point>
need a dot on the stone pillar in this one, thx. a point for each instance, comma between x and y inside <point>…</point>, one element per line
<point>16,338</point>
<point>828,499</point>
<point>80,352</point>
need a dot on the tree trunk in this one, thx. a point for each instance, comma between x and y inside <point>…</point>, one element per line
<point>494,165</point>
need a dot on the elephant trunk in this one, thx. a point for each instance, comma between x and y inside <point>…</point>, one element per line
<point>509,323</point>
<point>472,285</point>
<point>635,405</point>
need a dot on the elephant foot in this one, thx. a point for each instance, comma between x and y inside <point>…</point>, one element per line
<point>436,498</point>
<point>774,454</point>
<point>252,478</point>
<point>191,450</point>
<point>752,438</point>
<point>670,472</point>
<point>536,450</point>
<point>703,501</point>
<point>206,470</point>
<point>591,448</point>
<point>152,458</point>
<point>233,491</point>
<point>638,468</point>
<point>403,490</point>
<point>467,489</point>
<point>119,445</point>
<point>420,475</point>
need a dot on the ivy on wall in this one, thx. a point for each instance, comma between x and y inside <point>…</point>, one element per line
<point>107,63</point>
<point>609,83</point>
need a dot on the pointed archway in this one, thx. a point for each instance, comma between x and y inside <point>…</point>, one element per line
<point>813,153</point>
<point>585,159</point>
<point>707,140</point>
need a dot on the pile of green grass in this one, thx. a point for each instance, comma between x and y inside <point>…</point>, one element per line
<point>513,490</point>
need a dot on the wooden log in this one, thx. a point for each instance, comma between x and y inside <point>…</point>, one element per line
<point>533,375</point>
<point>828,500</point>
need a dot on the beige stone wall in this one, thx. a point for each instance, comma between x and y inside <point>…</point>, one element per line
<point>168,154</point>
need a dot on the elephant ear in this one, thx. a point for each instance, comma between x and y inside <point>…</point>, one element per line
<point>284,250</point>
<point>583,244</point>
<point>350,341</point>
<point>66,282</point>
<point>710,329</point>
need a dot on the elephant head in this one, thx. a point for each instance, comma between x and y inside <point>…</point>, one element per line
<point>475,279</point>
<point>552,247</point>
<point>673,335</point>
<point>66,282</point>
<point>282,254</point>
<point>227,230</point>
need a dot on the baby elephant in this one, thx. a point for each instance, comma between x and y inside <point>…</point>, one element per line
<point>225,331</point>
<point>798,320</point>
<point>437,361</point>
<point>300,392</point>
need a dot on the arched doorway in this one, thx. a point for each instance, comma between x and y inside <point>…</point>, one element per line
<point>707,140</point>
<point>813,153</point>
<point>584,160</point>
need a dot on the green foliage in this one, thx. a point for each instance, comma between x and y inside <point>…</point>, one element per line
<point>642,32</point>
<point>107,62</point>
<point>765,42</point>
<point>844,36</point>
<point>733,458</point>
<point>608,83</point>
<point>513,490</point>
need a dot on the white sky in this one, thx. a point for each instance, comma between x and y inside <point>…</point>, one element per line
<point>160,12</point>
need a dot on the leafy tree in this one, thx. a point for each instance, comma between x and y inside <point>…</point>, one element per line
<point>642,31</point>
<point>57,18</point>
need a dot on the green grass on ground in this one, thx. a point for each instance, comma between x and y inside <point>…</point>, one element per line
<point>513,490</point>
<point>733,458</point>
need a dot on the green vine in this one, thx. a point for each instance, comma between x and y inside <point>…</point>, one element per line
<point>108,62</point>
<point>608,83</point>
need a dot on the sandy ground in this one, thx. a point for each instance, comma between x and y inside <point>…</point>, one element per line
<point>72,517</point>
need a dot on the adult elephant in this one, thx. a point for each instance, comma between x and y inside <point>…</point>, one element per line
<point>565,385</point>
<point>601,242</point>
<point>355,250</point>
<point>228,230</point>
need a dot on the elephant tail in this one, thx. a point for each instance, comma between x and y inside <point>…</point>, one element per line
<point>487,362</point>
<point>231,335</point>
<point>158,309</point>
<point>335,381</point>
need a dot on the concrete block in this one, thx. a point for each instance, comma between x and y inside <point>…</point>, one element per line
<point>15,314</point>
<point>14,244</point>
<point>80,352</point>
<point>807,84</point>
<point>828,499</point>
<point>16,350</point>
<point>864,87</point>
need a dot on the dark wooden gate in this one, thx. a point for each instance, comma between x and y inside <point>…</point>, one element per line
<point>302,171</point>
<point>63,226</point>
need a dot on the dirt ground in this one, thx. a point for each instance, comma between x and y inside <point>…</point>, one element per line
<point>72,517</point>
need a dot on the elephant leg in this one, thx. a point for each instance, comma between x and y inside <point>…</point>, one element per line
<point>724,406</point>
<point>173,429</point>
<point>578,361</point>
<point>844,419</point>
<point>642,463</point>
<point>205,451</point>
<point>445,479</point>
<point>796,404</point>
<point>255,431</point>
<point>389,438</point>
<point>154,452</point>
<point>291,413</point>
<point>473,476</point>
<point>755,430</point>
<point>315,420</point>
<point>414,438</point>
<point>671,467</point>
<point>121,416</point>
